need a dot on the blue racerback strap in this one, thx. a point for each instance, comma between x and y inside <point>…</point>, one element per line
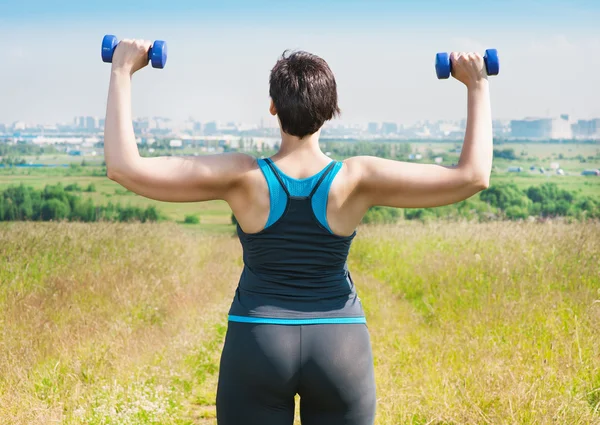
<point>283,187</point>
<point>327,171</point>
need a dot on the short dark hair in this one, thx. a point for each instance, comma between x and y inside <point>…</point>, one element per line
<point>304,92</point>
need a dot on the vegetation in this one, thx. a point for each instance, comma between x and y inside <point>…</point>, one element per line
<point>503,201</point>
<point>56,203</point>
<point>191,219</point>
<point>505,153</point>
<point>87,177</point>
<point>381,215</point>
<point>24,149</point>
<point>491,323</point>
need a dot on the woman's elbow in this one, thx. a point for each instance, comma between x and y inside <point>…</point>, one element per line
<point>114,174</point>
<point>476,180</point>
<point>481,181</point>
<point>121,171</point>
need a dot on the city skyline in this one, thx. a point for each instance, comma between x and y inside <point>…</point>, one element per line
<point>562,127</point>
<point>220,55</point>
<point>272,123</point>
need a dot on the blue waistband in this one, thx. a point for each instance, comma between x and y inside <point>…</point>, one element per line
<point>322,321</point>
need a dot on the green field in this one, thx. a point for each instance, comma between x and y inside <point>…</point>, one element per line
<point>211,213</point>
<point>571,157</point>
<point>215,216</point>
<point>106,324</point>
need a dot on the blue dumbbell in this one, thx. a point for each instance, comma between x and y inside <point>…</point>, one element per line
<point>443,65</point>
<point>157,53</point>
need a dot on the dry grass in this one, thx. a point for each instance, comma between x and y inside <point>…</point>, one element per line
<point>487,324</point>
<point>471,324</point>
<point>97,319</point>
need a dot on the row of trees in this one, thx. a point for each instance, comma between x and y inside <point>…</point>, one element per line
<point>505,201</point>
<point>25,149</point>
<point>382,150</point>
<point>55,203</point>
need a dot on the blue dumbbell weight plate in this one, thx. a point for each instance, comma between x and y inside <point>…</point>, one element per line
<point>442,65</point>
<point>492,63</point>
<point>158,54</point>
<point>109,42</point>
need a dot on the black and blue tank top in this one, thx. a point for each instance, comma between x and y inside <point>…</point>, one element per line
<point>295,270</point>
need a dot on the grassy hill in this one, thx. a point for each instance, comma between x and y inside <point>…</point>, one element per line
<point>471,323</point>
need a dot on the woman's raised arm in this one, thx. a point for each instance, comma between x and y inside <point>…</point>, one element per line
<point>175,179</point>
<point>408,185</point>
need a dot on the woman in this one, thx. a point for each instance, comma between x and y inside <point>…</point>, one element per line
<point>296,325</point>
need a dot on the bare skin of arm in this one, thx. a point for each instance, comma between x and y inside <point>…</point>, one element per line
<point>174,179</point>
<point>371,181</point>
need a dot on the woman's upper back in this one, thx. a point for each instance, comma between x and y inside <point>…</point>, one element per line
<point>271,184</point>
<point>297,237</point>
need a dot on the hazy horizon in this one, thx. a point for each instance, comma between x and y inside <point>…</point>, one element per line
<point>381,53</point>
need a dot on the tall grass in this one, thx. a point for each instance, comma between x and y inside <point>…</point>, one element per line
<point>471,324</point>
<point>110,324</point>
<point>485,324</point>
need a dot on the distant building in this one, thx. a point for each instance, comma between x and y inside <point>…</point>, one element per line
<point>210,128</point>
<point>586,129</point>
<point>85,123</point>
<point>19,125</point>
<point>2,128</point>
<point>90,123</point>
<point>373,128</point>
<point>389,128</point>
<point>542,128</point>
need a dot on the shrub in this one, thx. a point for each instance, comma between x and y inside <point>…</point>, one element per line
<point>515,212</point>
<point>55,210</point>
<point>191,219</point>
<point>73,188</point>
<point>381,215</point>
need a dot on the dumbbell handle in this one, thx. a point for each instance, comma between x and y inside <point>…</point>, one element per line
<point>107,49</point>
<point>485,60</point>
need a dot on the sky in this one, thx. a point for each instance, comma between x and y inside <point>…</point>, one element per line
<point>220,54</point>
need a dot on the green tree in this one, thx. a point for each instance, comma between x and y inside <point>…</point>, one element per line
<point>504,196</point>
<point>191,219</point>
<point>151,214</point>
<point>381,215</point>
<point>55,209</point>
<point>515,212</point>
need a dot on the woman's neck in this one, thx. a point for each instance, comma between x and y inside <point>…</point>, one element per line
<point>301,156</point>
<point>292,145</point>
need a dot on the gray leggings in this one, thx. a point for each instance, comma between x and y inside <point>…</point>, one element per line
<point>263,367</point>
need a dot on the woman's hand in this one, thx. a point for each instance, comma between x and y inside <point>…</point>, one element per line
<point>468,68</point>
<point>131,55</point>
